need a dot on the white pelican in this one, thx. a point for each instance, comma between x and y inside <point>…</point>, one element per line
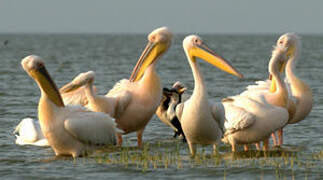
<point>69,130</point>
<point>139,97</point>
<point>201,121</point>
<point>300,93</point>
<point>251,118</point>
<point>28,132</point>
<point>133,102</point>
<point>166,110</point>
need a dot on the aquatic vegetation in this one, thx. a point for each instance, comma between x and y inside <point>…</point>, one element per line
<point>175,155</point>
<point>149,157</point>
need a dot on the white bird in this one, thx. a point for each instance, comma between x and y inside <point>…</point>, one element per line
<point>300,94</point>
<point>133,102</point>
<point>139,97</point>
<point>28,132</point>
<point>166,110</point>
<point>201,121</point>
<point>69,130</point>
<point>252,117</point>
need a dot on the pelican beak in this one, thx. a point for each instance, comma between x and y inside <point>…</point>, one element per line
<point>47,84</point>
<point>282,67</point>
<point>273,83</point>
<point>273,87</point>
<point>151,53</point>
<point>203,52</point>
<point>290,51</point>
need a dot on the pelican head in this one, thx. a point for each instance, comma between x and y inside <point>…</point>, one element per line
<point>290,41</point>
<point>35,67</point>
<point>278,60</point>
<point>78,81</point>
<point>158,43</point>
<point>195,47</point>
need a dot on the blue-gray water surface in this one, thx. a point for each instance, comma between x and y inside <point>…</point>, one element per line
<point>112,57</point>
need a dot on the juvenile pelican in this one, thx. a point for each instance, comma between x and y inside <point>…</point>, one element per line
<point>166,110</point>
<point>28,132</point>
<point>69,130</point>
<point>138,98</point>
<point>252,118</point>
<point>200,121</point>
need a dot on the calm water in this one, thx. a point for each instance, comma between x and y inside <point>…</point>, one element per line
<point>112,57</point>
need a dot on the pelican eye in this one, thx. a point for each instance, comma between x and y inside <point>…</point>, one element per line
<point>153,38</point>
<point>40,65</point>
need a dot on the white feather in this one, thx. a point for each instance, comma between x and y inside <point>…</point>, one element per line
<point>28,132</point>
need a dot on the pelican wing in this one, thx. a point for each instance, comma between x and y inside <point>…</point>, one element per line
<point>119,87</point>
<point>76,97</point>
<point>217,110</point>
<point>263,87</point>
<point>123,100</point>
<point>73,93</point>
<point>259,87</point>
<point>237,118</point>
<point>123,96</point>
<point>91,127</point>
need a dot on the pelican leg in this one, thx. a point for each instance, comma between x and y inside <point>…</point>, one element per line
<point>280,137</point>
<point>119,139</point>
<point>266,144</point>
<point>192,148</point>
<point>273,136</point>
<point>258,146</point>
<point>139,137</point>
<point>246,147</point>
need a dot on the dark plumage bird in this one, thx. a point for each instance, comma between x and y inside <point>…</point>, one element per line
<point>166,110</point>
